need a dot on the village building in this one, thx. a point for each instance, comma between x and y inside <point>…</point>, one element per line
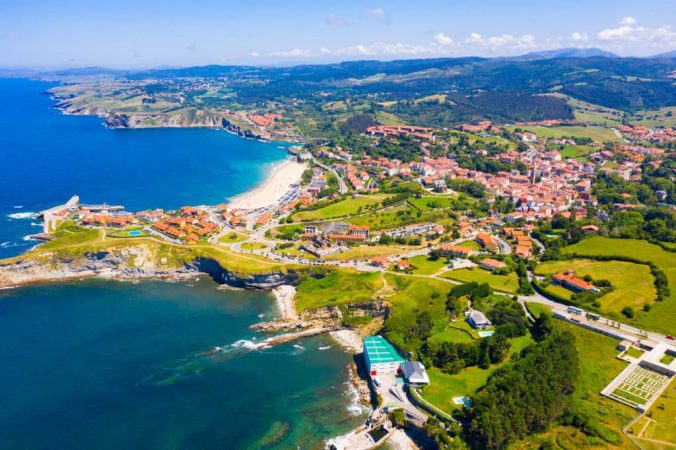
<point>492,265</point>
<point>415,373</point>
<point>454,251</point>
<point>478,320</point>
<point>487,241</point>
<point>569,280</point>
<point>381,358</point>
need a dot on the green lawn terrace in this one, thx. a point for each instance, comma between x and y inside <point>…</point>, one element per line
<point>660,317</point>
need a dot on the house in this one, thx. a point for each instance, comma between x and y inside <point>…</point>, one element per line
<point>486,241</point>
<point>492,265</point>
<point>380,261</point>
<point>380,356</point>
<point>478,320</point>
<point>590,229</point>
<point>455,250</point>
<point>569,280</point>
<point>403,264</point>
<point>415,373</point>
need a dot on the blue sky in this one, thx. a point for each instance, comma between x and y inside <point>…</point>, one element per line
<point>134,34</point>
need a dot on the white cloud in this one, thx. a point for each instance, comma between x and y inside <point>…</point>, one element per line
<point>294,53</point>
<point>375,12</point>
<point>442,39</point>
<point>502,42</point>
<point>387,49</point>
<point>579,37</point>
<point>660,37</point>
<point>255,54</point>
<point>628,21</point>
<point>325,51</point>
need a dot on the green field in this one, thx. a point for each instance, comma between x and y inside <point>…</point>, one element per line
<point>408,296</point>
<point>452,335</point>
<point>343,208</point>
<point>365,252</point>
<point>662,414</point>
<point>576,151</point>
<point>661,315</point>
<point>425,266</point>
<point>598,134</point>
<point>633,283</point>
<point>253,246</point>
<point>427,203</point>
<point>504,283</point>
<point>474,245</point>
<point>337,287</point>
<point>231,238</point>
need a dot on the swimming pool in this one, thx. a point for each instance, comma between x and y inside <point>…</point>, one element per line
<point>134,233</point>
<point>486,333</point>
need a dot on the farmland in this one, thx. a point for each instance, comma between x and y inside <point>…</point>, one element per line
<point>632,283</point>
<point>504,283</point>
<point>660,316</point>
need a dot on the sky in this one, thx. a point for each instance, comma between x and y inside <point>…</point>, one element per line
<point>145,34</point>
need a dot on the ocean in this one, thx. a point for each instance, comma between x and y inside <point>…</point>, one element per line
<point>110,365</point>
<point>47,157</point>
<point>105,364</point>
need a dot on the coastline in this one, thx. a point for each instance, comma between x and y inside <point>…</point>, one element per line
<point>278,182</point>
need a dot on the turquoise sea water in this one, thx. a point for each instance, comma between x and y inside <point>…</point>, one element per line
<point>108,365</point>
<point>46,157</point>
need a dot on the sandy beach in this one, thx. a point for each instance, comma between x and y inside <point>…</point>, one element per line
<point>349,340</point>
<point>273,189</point>
<point>286,295</point>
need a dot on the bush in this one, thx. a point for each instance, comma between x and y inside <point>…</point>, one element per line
<point>628,312</point>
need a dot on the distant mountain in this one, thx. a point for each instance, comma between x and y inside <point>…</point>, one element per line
<point>671,54</point>
<point>567,53</point>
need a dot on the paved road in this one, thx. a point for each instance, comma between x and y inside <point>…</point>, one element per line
<point>341,182</point>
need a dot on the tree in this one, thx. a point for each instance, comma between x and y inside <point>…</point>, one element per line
<point>526,396</point>
<point>542,327</point>
<point>628,312</point>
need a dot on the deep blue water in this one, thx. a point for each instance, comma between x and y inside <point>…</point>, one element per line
<point>46,157</point>
<point>108,365</point>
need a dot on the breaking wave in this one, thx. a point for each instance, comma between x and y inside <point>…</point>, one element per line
<point>21,215</point>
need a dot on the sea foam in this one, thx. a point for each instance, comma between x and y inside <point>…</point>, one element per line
<point>21,215</point>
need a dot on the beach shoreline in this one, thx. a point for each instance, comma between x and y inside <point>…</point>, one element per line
<point>277,183</point>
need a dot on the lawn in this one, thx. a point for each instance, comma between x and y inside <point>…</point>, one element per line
<point>451,335</point>
<point>634,352</point>
<point>474,245</point>
<point>67,238</point>
<point>598,134</point>
<point>343,208</point>
<point>633,283</point>
<point>231,238</point>
<point>365,252</point>
<point>662,413</point>
<point>337,287</point>
<point>504,283</point>
<point>425,266</point>
<point>409,296</point>
<point>253,246</point>
<point>399,216</point>
<point>431,202</point>
<point>660,317</point>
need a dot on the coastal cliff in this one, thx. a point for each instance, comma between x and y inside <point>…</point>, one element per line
<point>132,262</point>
